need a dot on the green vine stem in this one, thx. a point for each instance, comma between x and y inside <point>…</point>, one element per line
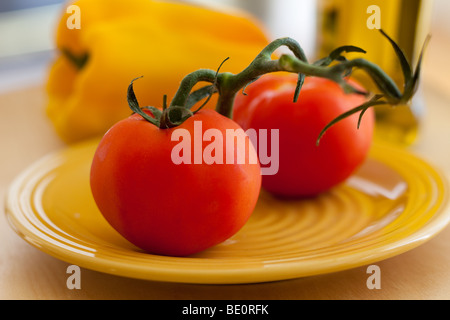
<point>227,85</point>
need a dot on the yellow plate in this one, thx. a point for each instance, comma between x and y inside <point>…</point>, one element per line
<point>393,204</point>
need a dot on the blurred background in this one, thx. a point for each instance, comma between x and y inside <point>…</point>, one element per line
<point>27,31</point>
<point>27,48</point>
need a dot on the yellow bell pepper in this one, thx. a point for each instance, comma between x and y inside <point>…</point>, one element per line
<point>120,40</point>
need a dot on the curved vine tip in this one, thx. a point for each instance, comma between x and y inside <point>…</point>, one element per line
<point>375,101</point>
<point>134,104</point>
<point>411,83</point>
<point>210,90</point>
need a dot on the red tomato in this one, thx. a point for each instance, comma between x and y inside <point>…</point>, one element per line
<point>306,169</point>
<point>165,208</point>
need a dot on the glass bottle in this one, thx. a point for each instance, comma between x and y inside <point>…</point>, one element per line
<point>355,22</point>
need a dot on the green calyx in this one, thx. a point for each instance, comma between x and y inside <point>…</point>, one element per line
<point>335,67</point>
<point>163,119</point>
<point>174,115</point>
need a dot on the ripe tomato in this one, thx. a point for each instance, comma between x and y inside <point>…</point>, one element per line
<point>167,208</point>
<point>306,169</point>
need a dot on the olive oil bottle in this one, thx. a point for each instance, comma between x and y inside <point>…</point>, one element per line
<point>355,22</point>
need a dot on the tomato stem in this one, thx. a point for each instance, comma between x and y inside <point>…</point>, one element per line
<point>227,85</point>
<point>78,61</point>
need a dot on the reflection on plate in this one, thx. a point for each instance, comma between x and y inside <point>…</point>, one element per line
<point>394,203</point>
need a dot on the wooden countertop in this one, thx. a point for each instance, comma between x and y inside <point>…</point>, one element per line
<point>27,273</point>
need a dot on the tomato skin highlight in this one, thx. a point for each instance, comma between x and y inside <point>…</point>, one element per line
<point>306,169</point>
<point>164,208</point>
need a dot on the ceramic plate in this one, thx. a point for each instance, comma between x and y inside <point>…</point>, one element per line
<point>394,203</point>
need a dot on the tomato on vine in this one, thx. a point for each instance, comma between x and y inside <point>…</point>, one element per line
<point>166,207</point>
<point>305,167</point>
